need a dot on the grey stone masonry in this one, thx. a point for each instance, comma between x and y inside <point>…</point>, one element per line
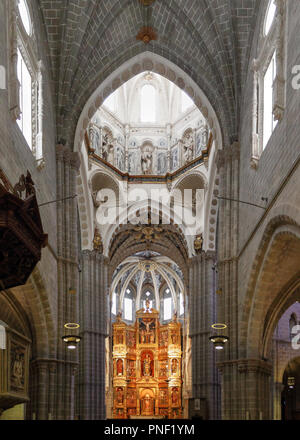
<point>93,316</point>
<point>202,309</point>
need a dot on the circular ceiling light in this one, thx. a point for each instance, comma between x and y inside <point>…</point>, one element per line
<point>219,326</point>
<point>72,325</point>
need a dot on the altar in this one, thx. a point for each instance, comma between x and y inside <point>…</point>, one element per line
<point>147,379</point>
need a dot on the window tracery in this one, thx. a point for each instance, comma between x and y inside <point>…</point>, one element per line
<point>25,72</point>
<point>268,79</point>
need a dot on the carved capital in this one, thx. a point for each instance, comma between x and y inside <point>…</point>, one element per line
<point>254,366</point>
<point>75,160</point>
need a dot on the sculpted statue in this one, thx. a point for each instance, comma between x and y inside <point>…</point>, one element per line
<point>94,138</point>
<point>119,396</point>
<point>147,405</point>
<point>119,367</point>
<point>188,145</point>
<point>120,158</point>
<point>163,396</point>
<point>18,370</point>
<point>198,243</point>
<point>147,366</point>
<point>108,149</point>
<point>175,396</point>
<point>25,184</point>
<point>146,162</point>
<point>174,366</point>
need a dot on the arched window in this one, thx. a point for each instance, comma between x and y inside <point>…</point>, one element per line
<point>167,305</point>
<point>114,304</point>
<point>181,304</point>
<point>25,80</point>
<point>148,103</point>
<point>24,14</point>
<point>292,324</point>
<point>269,85</point>
<point>128,306</point>
<point>110,102</point>
<point>271,11</point>
<point>269,123</point>
<point>3,335</point>
<point>186,102</point>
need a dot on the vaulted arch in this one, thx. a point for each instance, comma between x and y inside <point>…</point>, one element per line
<point>273,283</point>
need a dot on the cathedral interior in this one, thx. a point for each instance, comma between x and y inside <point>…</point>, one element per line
<point>149,209</point>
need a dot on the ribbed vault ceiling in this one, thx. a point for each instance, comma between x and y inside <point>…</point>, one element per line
<point>209,39</point>
<point>139,270</point>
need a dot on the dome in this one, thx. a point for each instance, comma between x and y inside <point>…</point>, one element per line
<point>147,276</point>
<point>148,126</point>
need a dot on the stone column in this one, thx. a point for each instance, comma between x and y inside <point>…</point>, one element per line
<point>93,318</point>
<point>227,310</point>
<point>246,389</point>
<point>245,382</point>
<point>202,305</point>
<point>278,387</point>
<point>68,276</point>
<point>52,390</point>
<point>42,380</point>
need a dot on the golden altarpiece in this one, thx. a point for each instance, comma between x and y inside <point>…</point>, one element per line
<point>147,367</point>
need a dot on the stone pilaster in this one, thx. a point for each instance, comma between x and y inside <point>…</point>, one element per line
<point>278,387</point>
<point>52,389</point>
<point>68,277</point>
<point>227,309</point>
<point>202,307</point>
<point>246,389</point>
<point>93,316</point>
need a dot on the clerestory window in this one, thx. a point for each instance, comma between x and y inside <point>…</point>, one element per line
<point>148,103</point>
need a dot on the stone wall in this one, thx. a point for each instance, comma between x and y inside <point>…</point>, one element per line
<point>276,163</point>
<point>16,157</point>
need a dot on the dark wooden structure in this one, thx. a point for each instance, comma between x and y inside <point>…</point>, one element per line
<point>21,232</point>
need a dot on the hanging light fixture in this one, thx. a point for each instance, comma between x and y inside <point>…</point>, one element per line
<point>219,340</point>
<point>71,340</point>
<point>291,382</point>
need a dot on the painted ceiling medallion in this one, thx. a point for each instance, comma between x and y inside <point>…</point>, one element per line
<point>147,2</point>
<point>146,34</point>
